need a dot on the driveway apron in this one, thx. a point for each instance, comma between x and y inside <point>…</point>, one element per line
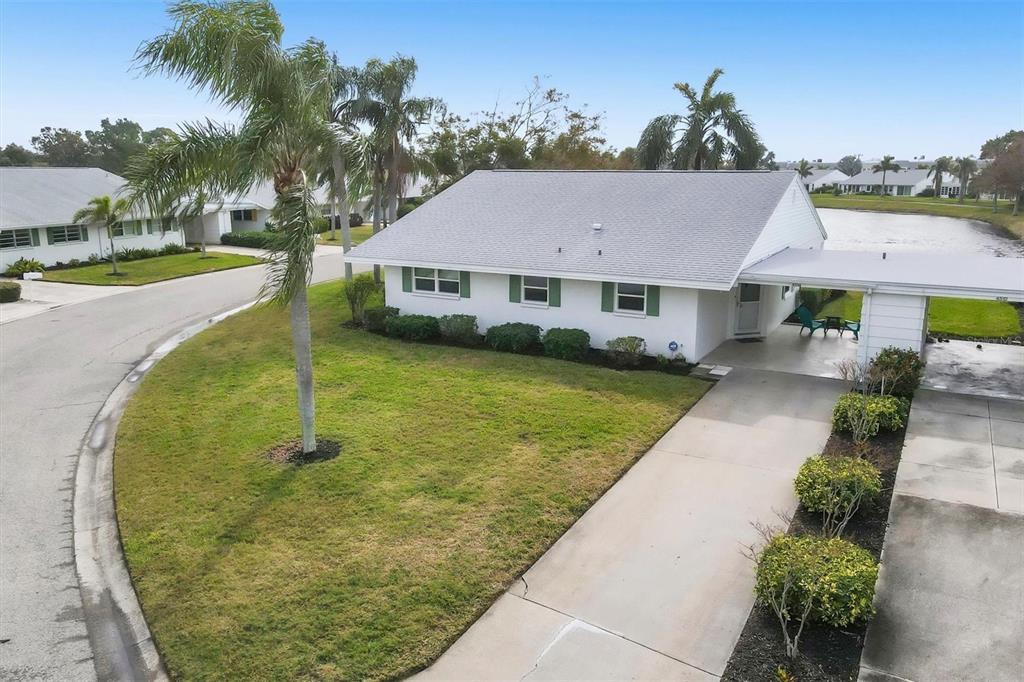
<point>652,581</point>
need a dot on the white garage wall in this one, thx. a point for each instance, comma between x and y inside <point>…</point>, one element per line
<point>892,320</point>
<point>581,309</point>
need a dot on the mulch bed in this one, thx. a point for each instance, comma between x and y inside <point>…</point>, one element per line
<point>291,452</point>
<point>826,654</point>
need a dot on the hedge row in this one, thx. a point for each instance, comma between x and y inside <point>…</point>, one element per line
<point>512,337</point>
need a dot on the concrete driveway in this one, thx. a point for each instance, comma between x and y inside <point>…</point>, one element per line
<point>652,583</point>
<point>950,592</point>
<point>56,370</point>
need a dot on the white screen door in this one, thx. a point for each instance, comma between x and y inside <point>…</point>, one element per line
<point>748,309</point>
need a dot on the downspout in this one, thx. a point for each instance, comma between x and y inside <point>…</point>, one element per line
<point>865,326</point>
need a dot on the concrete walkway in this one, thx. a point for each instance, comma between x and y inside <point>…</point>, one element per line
<point>950,592</point>
<point>652,583</point>
<point>56,370</point>
<point>39,297</point>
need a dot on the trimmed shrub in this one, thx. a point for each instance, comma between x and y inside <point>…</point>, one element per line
<point>825,580</point>
<point>460,329</point>
<point>882,412</point>
<point>897,371</point>
<point>23,265</point>
<point>376,319</point>
<point>566,344</point>
<point>174,249</point>
<point>514,337</point>
<point>357,293</point>
<point>836,487</point>
<point>9,292</point>
<point>414,327</point>
<point>926,192</point>
<point>128,255</point>
<point>355,220</point>
<point>627,351</point>
<point>811,299</point>
<point>253,240</point>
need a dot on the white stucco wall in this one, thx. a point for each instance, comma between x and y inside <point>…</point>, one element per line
<point>581,309</point>
<point>97,243</point>
<point>892,320</point>
<point>713,311</point>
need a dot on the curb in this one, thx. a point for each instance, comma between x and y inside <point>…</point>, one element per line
<point>122,645</point>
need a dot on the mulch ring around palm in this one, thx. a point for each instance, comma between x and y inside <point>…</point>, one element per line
<point>291,452</point>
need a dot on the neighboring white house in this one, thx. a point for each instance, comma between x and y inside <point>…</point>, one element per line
<point>907,183</point>
<point>247,212</point>
<point>36,206</point>
<point>655,254</point>
<point>823,177</point>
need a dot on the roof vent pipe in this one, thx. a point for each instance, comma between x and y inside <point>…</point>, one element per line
<point>596,227</point>
<point>883,255</point>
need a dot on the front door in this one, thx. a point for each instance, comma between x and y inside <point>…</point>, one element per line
<point>748,309</point>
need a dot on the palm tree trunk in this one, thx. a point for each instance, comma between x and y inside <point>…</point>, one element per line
<point>376,220</point>
<point>301,342</point>
<point>1016,203</point>
<point>882,192</point>
<point>963,190</point>
<point>113,251</point>
<point>938,184</point>
<point>334,218</point>
<point>341,197</point>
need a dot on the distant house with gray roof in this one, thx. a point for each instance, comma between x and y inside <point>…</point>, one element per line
<point>907,182</point>
<point>654,254</point>
<point>824,177</point>
<point>36,207</point>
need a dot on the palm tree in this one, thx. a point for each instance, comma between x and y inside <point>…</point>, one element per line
<point>964,167</point>
<point>943,164</point>
<point>884,166</point>
<point>344,112</point>
<point>804,168</point>
<point>395,117</point>
<point>233,51</point>
<point>108,212</point>
<point>713,131</point>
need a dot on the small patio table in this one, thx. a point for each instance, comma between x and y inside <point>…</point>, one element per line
<point>833,322</point>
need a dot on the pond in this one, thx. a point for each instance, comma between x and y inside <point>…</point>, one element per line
<point>867,231</point>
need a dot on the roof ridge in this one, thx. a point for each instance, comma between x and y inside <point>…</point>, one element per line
<point>631,170</point>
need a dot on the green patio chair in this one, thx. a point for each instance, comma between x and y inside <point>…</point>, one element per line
<point>853,326</point>
<point>807,320</point>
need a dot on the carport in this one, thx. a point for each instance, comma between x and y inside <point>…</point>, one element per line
<point>896,286</point>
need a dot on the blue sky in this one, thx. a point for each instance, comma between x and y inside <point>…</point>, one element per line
<point>819,79</point>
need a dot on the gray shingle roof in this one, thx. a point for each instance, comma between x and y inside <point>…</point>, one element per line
<point>38,196</point>
<point>661,225</point>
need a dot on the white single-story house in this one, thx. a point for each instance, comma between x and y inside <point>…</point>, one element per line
<point>36,207</point>
<point>247,212</point>
<point>655,254</point>
<point>824,177</point>
<point>909,183</point>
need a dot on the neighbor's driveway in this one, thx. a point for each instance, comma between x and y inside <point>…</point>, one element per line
<point>652,581</point>
<point>56,370</point>
<point>950,593</point>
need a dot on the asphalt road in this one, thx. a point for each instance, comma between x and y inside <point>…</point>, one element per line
<point>56,371</point>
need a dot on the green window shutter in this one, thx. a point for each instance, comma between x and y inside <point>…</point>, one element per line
<point>653,300</point>
<point>554,292</point>
<point>49,236</point>
<point>607,296</point>
<point>34,235</point>
<point>149,226</point>
<point>515,288</point>
<point>463,284</point>
<point>406,279</point>
<point>84,229</point>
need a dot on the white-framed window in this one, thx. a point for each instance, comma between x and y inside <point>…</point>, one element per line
<point>630,298</point>
<point>128,228</point>
<point>66,234</point>
<point>535,289</point>
<point>15,239</point>
<point>429,280</point>
<point>246,214</point>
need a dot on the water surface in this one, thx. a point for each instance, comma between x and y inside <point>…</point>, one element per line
<point>868,231</point>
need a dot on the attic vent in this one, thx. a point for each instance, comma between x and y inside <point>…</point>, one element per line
<point>596,227</point>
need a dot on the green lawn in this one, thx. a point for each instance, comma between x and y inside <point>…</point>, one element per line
<point>151,269</point>
<point>982,210</point>
<point>359,234</point>
<point>962,316</point>
<point>458,469</point>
